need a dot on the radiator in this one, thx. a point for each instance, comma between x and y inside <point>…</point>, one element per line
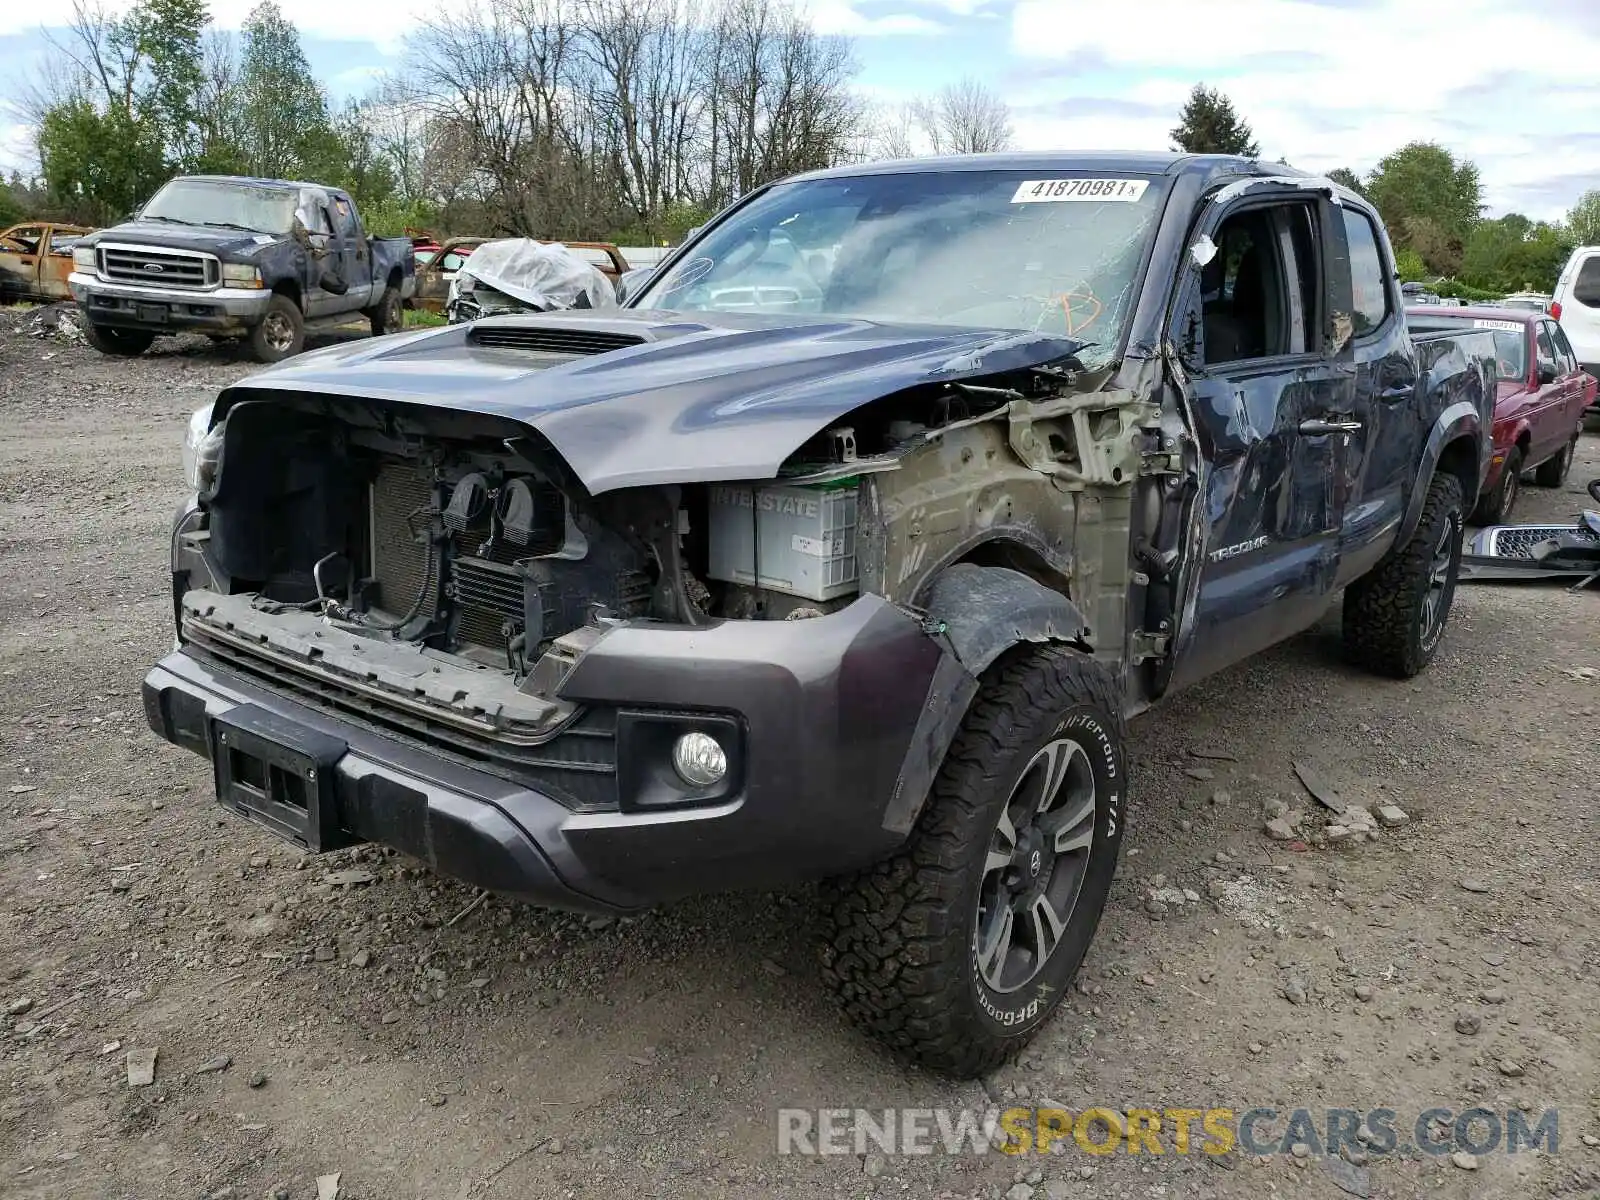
<point>399,556</point>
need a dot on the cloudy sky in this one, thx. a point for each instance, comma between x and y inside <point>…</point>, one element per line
<point>1324,83</point>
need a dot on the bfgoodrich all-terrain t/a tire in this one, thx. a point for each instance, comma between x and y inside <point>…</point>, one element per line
<point>958,948</point>
<point>1394,616</point>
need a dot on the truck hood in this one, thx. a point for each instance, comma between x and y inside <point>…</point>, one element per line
<point>701,398</point>
<point>231,245</point>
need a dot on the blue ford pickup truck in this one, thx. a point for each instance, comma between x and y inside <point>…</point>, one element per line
<point>229,256</point>
<point>842,552</point>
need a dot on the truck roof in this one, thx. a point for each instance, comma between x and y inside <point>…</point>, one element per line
<point>1474,312</point>
<point>253,181</point>
<point>1126,162</point>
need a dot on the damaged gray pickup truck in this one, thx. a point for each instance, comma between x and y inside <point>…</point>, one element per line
<point>841,552</point>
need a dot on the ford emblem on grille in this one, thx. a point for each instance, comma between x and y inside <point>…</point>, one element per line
<point>154,267</point>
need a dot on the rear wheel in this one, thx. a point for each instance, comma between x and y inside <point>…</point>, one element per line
<point>1494,508</point>
<point>1552,473</point>
<point>387,316</point>
<point>957,949</point>
<point>1394,616</point>
<point>125,343</point>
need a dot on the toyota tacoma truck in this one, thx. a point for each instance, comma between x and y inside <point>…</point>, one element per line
<point>227,256</point>
<point>600,610</point>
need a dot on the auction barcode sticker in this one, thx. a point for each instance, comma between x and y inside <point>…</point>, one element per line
<point>1047,191</point>
<point>1508,326</point>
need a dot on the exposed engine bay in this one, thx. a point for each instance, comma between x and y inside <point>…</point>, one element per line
<point>453,558</point>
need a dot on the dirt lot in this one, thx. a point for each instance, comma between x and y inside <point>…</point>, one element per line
<point>307,1027</point>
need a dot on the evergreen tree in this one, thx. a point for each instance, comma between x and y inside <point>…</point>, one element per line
<point>1208,124</point>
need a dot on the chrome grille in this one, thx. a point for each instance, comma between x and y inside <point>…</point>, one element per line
<point>1518,541</point>
<point>158,267</point>
<point>399,555</point>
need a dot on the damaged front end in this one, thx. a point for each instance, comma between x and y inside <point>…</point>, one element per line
<point>449,570</point>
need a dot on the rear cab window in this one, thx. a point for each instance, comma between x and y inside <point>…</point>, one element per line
<point>1369,290</point>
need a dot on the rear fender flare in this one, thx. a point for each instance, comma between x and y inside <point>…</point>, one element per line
<point>1459,420</point>
<point>980,613</point>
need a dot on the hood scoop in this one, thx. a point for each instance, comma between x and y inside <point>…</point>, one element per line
<point>547,339</point>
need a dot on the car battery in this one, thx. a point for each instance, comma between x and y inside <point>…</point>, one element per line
<point>799,540</point>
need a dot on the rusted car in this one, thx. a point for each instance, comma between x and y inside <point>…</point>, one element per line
<point>35,260</point>
<point>436,268</point>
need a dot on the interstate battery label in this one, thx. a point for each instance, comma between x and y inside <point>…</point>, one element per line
<point>1057,191</point>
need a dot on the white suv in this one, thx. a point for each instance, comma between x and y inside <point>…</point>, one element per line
<point>1576,306</point>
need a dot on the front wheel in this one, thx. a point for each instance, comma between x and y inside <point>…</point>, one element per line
<point>124,343</point>
<point>958,948</point>
<point>1552,473</point>
<point>1394,616</point>
<point>280,333</point>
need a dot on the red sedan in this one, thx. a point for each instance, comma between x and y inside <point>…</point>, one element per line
<point>1539,405</point>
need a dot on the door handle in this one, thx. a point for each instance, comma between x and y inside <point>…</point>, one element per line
<point>1317,427</point>
<point>1401,391</point>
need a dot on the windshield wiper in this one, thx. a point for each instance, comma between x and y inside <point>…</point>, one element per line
<point>230,225</point>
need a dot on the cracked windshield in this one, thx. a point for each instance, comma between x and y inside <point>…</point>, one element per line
<point>1057,254</point>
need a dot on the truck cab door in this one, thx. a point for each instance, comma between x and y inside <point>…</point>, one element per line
<point>1270,379</point>
<point>1381,453</point>
<point>355,264</point>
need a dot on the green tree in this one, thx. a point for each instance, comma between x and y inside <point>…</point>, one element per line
<point>1348,178</point>
<point>1583,221</point>
<point>282,117</point>
<point>1430,199</point>
<point>1208,124</point>
<point>99,166</point>
<point>162,37</point>
<point>1512,253</point>
<point>1409,266</point>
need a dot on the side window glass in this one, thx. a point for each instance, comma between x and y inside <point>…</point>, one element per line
<point>1260,291</point>
<point>1564,352</point>
<point>346,216</point>
<point>1369,294</point>
<point>1546,349</point>
<point>26,238</point>
<point>1586,288</point>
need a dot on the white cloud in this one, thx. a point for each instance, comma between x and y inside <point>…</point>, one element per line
<point>840,16</point>
<point>1324,85</point>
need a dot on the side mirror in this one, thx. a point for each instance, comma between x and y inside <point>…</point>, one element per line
<point>1547,374</point>
<point>631,281</point>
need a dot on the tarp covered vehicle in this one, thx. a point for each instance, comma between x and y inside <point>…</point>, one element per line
<point>523,275</point>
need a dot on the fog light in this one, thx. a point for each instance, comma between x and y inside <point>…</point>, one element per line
<point>699,760</point>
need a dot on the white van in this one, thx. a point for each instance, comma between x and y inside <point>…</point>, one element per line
<point>1576,306</point>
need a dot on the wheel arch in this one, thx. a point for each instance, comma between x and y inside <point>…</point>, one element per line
<point>290,290</point>
<point>1456,444</point>
<point>979,612</point>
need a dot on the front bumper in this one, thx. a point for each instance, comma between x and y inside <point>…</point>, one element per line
<point>841,720</point>
<point>135,306</point>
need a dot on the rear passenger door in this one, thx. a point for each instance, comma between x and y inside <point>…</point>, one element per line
<point>1271,390</point>
<point>1383,448</point>
<point>1573,375</point>
<point>1549,428</point>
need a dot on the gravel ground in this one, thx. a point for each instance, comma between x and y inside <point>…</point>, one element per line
<point>309,1023</point>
